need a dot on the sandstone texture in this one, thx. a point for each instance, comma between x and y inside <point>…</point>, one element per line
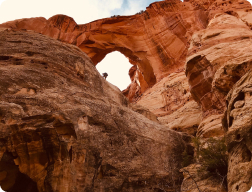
<point>170,100</point>
<point>155,40</point>
<point>64,128</point>
<point>218,57</point>
<point>237,123</point>
<point>193,182</point>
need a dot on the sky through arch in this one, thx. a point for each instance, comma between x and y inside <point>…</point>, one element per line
<point>117,66</point>
<point>82,11</point>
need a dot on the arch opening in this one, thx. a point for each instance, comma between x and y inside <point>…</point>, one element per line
<point>99,51</point>
<point>117,66</point>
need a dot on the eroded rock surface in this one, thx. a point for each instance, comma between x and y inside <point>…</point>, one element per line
<point>170,100</point>
<point>218,57</point>
<point>237,123</point>
<point>156,40</point>
<point>195,182</point>
<point>64,128</point>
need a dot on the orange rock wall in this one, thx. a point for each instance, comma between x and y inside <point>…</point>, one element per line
<point>156,40</point>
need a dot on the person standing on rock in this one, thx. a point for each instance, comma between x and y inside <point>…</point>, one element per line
<point>105,75</point>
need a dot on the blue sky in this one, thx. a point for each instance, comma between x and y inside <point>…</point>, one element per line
<point>82,11</point>
<point>115,64</point>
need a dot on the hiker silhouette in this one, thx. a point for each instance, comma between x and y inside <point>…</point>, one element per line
<point>105,75</point>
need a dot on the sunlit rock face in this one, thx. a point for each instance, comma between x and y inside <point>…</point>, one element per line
<point>237,123</point>
<point>171,101</point>
<point>217,58</point>
<point>155,40</point>
<point>64,128</point>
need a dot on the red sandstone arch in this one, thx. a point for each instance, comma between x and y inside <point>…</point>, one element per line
<point>155,40</point>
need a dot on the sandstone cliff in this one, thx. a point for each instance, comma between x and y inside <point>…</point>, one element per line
<point>155,40</point>
<point>238,126</point>
<point>63,128</point>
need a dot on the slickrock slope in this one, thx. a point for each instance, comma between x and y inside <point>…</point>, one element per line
<point>156,43</point>
<point>64,128</point>
<point>239,137</point>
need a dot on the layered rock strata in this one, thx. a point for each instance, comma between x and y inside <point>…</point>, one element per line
<point>170,100</point>
<point>155,40</point>
<point>218,57</point>
<point>237,123</point>
<point>64,128</point>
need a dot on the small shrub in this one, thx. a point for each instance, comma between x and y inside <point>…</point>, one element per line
<point>212,156</point>
<point>113,16</point>
<point>139,13</point>
<point>187,158</point>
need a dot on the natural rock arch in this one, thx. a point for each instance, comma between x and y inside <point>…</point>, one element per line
<point>67,129</point>
<point>155,40</point>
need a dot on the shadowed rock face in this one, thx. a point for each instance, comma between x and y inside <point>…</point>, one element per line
<point>195,182</point>
<point>237,123</point>
<point>64,128</point>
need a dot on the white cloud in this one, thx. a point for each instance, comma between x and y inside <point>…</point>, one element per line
<point>1,1</point>
<point>134,7</point>
<point>82,11</point>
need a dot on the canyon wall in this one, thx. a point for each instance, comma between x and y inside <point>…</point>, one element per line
<point>186,56</point>
<point>237,124</point>
<point>155,40</point>
<point>64,128</point>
